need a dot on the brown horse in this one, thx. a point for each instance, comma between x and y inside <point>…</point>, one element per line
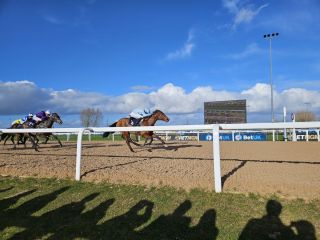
<point>147,121</point>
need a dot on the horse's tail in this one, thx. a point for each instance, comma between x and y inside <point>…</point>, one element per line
<point>3,136</point>
<point>106,134</point>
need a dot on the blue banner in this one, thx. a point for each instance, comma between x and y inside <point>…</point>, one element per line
<point>249,136</point>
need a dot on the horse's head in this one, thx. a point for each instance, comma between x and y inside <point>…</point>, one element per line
<point>160,116</point>
<point>56,118</point>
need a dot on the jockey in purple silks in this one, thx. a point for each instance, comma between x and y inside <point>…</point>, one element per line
<point>41,116</point>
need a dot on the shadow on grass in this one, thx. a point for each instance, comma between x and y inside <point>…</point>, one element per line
<point>270,226</point>
<point>72,220</point>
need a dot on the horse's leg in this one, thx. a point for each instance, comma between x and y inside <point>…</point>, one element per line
<point>151,140</point>
<point>25,141</point>
<point>126,136</point>
<point>13,142</point>
<point>6,138</point>
<point>145,141</point>
<point>55,137</point>
<point>32,139</point>
<point>20,139</point>
<point>157,137</point>
<point>147,137</point>
<point>47,139</point>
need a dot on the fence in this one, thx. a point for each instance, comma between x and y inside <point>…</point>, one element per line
<point>214,128</point>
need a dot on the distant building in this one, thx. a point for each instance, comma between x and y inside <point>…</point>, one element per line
<point>233,111</point>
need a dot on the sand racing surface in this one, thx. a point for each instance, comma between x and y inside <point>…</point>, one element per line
<point>289,169</point>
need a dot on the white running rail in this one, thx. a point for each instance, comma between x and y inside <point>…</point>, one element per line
<point>215,128</point>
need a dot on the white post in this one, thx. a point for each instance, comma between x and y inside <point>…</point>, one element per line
<point>198,135</point>
<point>232,136</point>
<point>216,159</point>
<point>68,137</point>
<point>318,134</point>
<point>166,135</point>
<point>78,159</point>
<point>273,133</point>
<point>89,136</point>
<point>294,135</point>
<point>307,135</point>
<point>112,137</point>
<point>284,120</point>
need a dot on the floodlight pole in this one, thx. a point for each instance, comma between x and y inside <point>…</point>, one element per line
<point>269,37</point>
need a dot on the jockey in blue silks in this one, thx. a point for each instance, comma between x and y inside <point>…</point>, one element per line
<point>22,120</point>
<point>137,115</point>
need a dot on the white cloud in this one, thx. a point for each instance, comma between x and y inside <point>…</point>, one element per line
<point>243,13</point>
<point>141,88</point>
<point>24,96</point>
<point>185,51</point>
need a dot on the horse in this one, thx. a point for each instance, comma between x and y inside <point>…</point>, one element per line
<point>146,121</point>
<point>6,136</point>
<point>20,136</point>
<point>48,123</point>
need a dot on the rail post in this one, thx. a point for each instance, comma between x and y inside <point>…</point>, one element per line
<point>79,145</point>
<point>216,158</point>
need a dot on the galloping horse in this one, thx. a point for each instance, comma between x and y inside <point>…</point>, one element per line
<point>53,118</point>
<point>48,123</point>
<point>147,121</point>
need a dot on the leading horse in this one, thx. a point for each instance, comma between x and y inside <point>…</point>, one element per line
<point>147,121</point>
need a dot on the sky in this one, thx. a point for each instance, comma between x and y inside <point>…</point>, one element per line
<point>171,55</point>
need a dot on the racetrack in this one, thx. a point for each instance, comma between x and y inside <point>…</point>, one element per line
<point>289,169</point>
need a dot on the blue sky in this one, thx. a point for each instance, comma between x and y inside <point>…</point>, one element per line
<point>172,55</point>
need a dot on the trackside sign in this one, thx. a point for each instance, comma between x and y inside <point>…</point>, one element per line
<point>248,136</point>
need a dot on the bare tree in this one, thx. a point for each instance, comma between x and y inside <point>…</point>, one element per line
<point>91,117</point>
<point>305,116</point>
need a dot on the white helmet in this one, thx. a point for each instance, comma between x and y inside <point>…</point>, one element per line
<point>147,111</point>
<point>47,112</point>
<point>30,115</point>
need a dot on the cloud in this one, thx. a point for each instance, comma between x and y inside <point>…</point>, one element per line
<point>242,13</point>
<point>21,97</point>
<point>183,52</point>
<point>250,50</point>
<point>141,88</point>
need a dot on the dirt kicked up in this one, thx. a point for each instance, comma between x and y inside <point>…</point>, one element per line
<point>289,169</point>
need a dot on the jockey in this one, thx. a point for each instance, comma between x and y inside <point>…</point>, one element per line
<point>41,116</point>
<point>137,115</point>
<point>22,120</point>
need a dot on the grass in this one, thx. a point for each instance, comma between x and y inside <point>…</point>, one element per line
<point>62,209</point>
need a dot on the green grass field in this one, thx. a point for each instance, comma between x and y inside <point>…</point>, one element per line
<point>62,209</point>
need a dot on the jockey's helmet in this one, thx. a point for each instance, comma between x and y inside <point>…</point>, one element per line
<point>147,111</point>
<point>30,115</point>
<point>47,112</point>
